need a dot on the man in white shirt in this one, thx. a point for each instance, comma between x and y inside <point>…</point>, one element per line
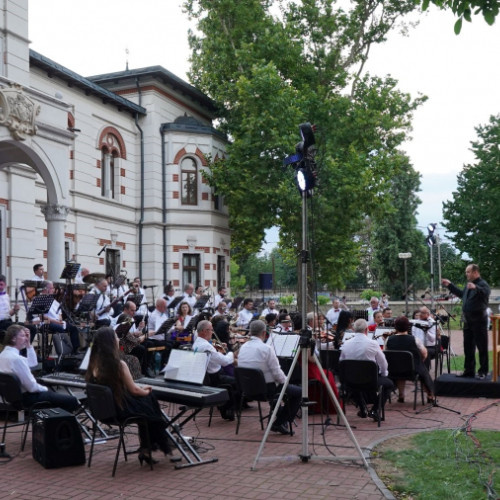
<point>256,354</point>
<point>218,360</point>
<point>221,309</point>
<point>156,319</point>
<point>188,296</point>
<point>362,348</point>
<point>6,311</point>
<point>425,331</point>
<point>38,271</point>
<point>138,290</point>
<point>372,309</point>
<point>270,309</point>
<point>17,338</point>
<point>245,315</point>
<point>332,315</point>
<point>221,294</point>
<point>103,310</point>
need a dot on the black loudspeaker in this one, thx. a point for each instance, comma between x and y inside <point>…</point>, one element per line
<point>57,440</point>
<point>265,281</point>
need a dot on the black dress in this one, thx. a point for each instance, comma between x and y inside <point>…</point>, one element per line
<point>148,407</point>
<point>408,343</point>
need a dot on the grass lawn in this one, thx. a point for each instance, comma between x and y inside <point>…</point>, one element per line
<point>442,464</point>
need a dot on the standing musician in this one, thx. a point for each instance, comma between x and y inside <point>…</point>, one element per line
<point>425,331</point>
<point>256,354</point>
<point>332,315</point>
<point>378,322</point>
<point>188,296</point>
<point>168,293</point>
<point>103,310</point>
<point>245,315</point>
<point>135,342</point>
<point>156,319</point>
<point>475,298</point>
<point>219,358</point>
<point>270,309</point>
<point>6,311</point>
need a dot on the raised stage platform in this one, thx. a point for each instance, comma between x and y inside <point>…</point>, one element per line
<point>448,384</point>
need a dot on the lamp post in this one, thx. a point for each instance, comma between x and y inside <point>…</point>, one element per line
<point>405,256</point>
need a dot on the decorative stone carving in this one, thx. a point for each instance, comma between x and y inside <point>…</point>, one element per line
<point>55,212</point>
<point>191,241</point>
<point>18,112</point>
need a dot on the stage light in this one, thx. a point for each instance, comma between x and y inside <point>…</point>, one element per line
<point>305,179</point>
<point>431,238</point>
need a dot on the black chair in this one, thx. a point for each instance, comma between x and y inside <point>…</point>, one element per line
<point>253,387</point>
<point>330,360</point>
<point>401,366</point>
<point>102,408</point>
<point>360,377</point>
<point>12,401</point>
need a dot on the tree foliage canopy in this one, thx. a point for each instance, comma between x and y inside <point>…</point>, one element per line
<point>473,215</point>
<point>270,66</point>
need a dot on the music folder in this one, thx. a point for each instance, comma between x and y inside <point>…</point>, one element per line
<point>186,366</point>
<point>285,346</point>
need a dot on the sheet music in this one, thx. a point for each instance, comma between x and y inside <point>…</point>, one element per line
<point>186,366</point>
<point>285,346</point>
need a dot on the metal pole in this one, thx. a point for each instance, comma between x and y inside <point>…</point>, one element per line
<point>406,289</point>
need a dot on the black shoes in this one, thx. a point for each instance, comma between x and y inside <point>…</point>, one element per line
<point>481,376</point>
<point>362,412</point>
<point>147,458</point>
<point>374,415</point>
<point>227,414</point>
<point>281,428</point>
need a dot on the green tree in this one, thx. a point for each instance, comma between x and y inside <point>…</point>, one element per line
<point>268,71</point>
<point>395,232</point>
<point>465,9</point>
<point>473,215</point>
<point>452,263</point>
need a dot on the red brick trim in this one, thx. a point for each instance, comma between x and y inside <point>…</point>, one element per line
<point>122,153</point>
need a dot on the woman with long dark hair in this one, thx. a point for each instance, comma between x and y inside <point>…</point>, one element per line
<point>106,368</point>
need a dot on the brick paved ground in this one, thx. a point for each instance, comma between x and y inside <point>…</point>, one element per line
<point>231,477</point>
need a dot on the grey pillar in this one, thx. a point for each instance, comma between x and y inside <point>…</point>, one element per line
<point>56,216</point>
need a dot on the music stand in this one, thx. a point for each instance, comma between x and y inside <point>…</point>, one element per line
<point>70,271</point>
<point>136,299</point>
<point>201,302</point>
<point>165,327</point>
<point>119,281</point>
<point>176,302</point>
<point>41,305</point>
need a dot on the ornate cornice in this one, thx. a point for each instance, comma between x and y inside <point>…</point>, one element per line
<point>18,112</point>
<point>55,212</point>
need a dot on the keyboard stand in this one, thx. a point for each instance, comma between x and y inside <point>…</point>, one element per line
<point>186,449</point>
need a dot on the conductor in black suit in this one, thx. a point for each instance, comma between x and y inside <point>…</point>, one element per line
<point>475,298</point>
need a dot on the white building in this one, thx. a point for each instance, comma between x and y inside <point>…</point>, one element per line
<point>110,161</point>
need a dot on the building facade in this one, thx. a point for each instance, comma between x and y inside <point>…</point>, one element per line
<point>106,171</point>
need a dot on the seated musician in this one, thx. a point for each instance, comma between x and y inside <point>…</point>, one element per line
<point>6,311</point>
<point>363,348</point>
<point>256,354</point>
<point>134,341</point>
<point>284,323</point>
<point>245,315</point>
<point>221,294</point>
<point>344,328</point>
<point>401,341</point>
<point>425,331</point>
<point>38,271</point>
<point>103,310</point>
<point>188,296</point>
<point>270,309</point>
<point>16,339</point>
<point>82,272</point>
<point>378,318</point>
<point>184,316</point>
<point>221,309</point>
<point>215,375</point>
<point>138,290</point>
<point>53,319</point>
<point>156,320</point>
<point>117,291</point>
<point>168,293</point>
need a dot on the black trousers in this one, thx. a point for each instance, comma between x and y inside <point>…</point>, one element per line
<point>476,335</point>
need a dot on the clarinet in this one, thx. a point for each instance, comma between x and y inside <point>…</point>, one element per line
<point>16,316</point>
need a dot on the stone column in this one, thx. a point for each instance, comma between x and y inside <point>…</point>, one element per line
<point>56,216</point>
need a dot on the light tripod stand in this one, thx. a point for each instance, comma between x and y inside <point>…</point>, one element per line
<point>306,345</point>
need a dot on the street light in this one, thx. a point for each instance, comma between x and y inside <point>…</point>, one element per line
<point>405,256</point>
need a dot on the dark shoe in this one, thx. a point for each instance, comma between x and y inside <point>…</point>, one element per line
<point>229,415</point>
<point>246,406</point>
<point>401,400</point>
<point>466,375</point>
<point>431,399</point>
<point>362,413</point>
<point>147,458</point>
<point>281,428</point>
<point>481,376</point>
<point>374,415</point>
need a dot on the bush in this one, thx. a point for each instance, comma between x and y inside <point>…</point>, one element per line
<point>369,293</point>
<point>323,300</point>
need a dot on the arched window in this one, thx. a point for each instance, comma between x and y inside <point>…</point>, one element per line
<point>189,182</point>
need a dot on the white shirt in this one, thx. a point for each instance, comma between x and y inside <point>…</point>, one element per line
<point>217,359</point>
<point>267,311</point>
<point>191,300</point>
<point>12,362</point>
<point>256,354</point>
<point>333,316</point>
<point>371,312</point>
<point>426,337</point>
<point>156,319</point>
<point>244,317</point>
<point>362,348</point>
<point>102,302</point>
<point>4,306</point>
<point>217,299</point>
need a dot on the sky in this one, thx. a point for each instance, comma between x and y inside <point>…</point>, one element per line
<point>460,75</point>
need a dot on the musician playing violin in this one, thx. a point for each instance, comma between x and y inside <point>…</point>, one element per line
<point>156,319</point>
<point>215,375</point>
<point>378,322</point>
